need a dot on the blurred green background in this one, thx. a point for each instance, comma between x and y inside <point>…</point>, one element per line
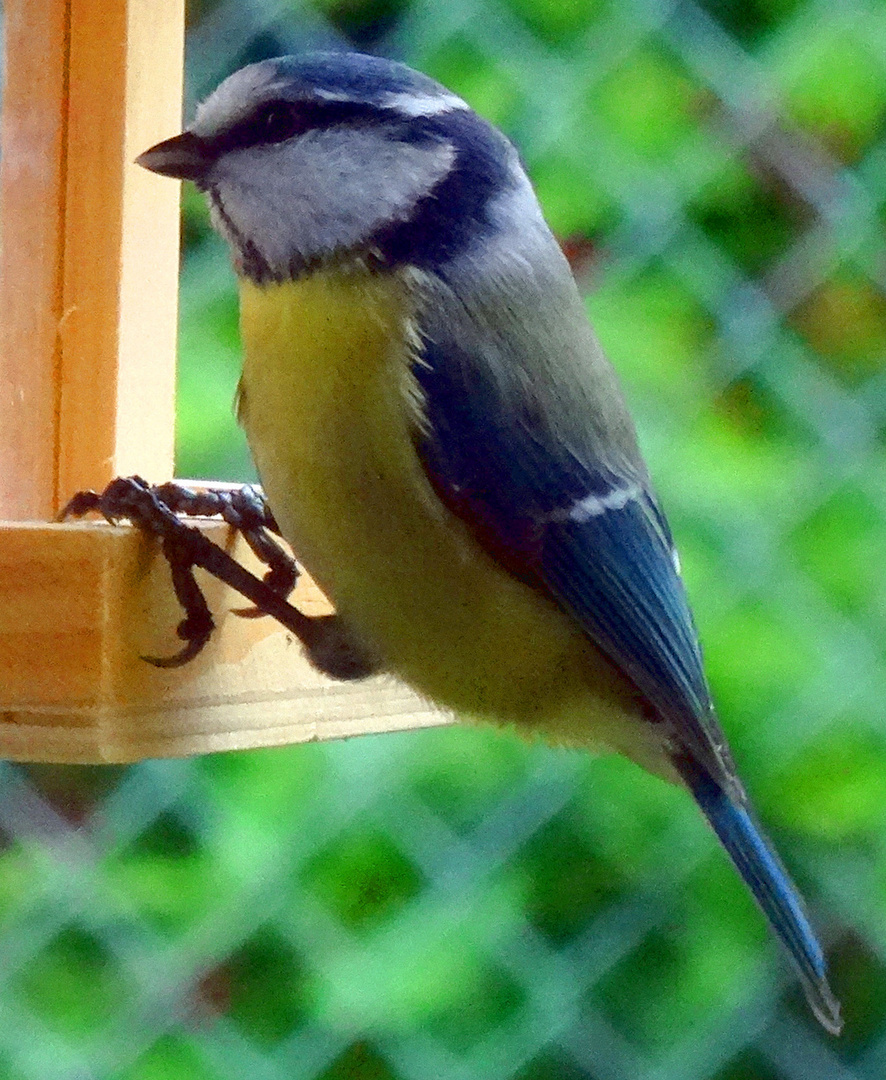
<point>454,904</point>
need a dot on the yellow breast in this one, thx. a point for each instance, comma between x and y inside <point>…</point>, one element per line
<point>325,402</point>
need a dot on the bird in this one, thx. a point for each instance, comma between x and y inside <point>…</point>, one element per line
<point>442,439</point>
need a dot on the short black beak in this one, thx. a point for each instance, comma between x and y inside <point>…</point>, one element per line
<point>185,157</point>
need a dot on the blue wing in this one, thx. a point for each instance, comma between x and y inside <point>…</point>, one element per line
<point>583,525</point>
<point>571,524</point>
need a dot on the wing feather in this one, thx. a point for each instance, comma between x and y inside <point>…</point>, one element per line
<point>585,530</point>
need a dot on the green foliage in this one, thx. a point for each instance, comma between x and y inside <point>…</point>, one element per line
<point>169,1058</point>
<point>560,24</point>
<point>831,72</point>
<point>646,104</point>
<point>72,986</point>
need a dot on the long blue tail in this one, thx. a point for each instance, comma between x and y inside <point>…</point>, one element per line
<point>770,884</point>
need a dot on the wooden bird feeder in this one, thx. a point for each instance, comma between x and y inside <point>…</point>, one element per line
<point>88,309</point>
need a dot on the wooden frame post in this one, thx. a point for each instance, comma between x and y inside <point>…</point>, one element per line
<point>89,254</point>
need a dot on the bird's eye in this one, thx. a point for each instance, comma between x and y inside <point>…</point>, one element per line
<point>277,122</point>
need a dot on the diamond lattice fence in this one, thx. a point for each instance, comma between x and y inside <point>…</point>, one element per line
<point>453,904</point>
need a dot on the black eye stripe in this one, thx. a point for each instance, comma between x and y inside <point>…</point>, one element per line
<point>276,121</point>
<point>279,121</point>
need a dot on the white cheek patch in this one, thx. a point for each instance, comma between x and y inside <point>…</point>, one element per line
<point>318,194</point>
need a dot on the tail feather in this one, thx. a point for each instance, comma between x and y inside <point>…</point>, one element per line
<point>770,884</point>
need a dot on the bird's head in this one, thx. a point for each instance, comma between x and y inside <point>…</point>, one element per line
<point>339,156</point>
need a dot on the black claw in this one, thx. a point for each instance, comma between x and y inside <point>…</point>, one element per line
<point>327,642</point>
<point>155,510</point>
<point>84,502</point>
<point>197,626</point>
<point>184,656</point>
<point>245,510</point>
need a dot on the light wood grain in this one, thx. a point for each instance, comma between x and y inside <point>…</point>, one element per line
<point>119,300</point>
<point>83,602</point>
<point>89,270</point>
<point>31,199</point>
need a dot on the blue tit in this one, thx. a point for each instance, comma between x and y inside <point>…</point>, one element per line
<point>441,438</point>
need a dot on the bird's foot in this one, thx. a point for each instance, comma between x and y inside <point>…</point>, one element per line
<point>156,509</point>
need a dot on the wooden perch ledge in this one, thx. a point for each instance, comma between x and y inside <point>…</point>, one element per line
<point>81,603</point>
<point>88,290</point>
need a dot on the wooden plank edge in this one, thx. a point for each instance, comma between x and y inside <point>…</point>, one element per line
<point>82,602</point>
<point>125,736</point>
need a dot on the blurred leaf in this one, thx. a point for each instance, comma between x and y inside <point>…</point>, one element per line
<point>844,320</point>
<point>361,878</point>
<point>832,73</point>
<point>169,1058</point>
<point>560,23</point>
<point>359,1061</point>
<point>572,201</point>
<point>73,985</point>
<point>653,329</point>
<point>837,785</point>
<point>426,965</point>
<point>567,882</point>
<point>460,772</point>
<point>265,990</point>
<point>840,545</point>
<point>363,22</point>
<point>757,657</point>
<point>647,102</point>
<point>169,893</point>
